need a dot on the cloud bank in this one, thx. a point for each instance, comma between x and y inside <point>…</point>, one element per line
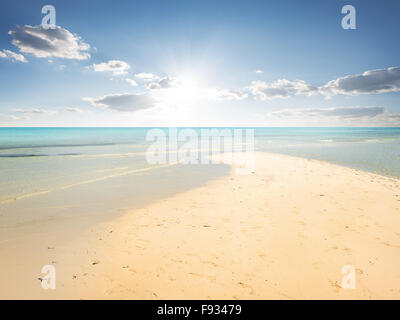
<point>282,88</point>
<point>355,115</point>
<point>58,42</point>
<point>126,102</point>
<point>373,81</point>
<point>339,112</point>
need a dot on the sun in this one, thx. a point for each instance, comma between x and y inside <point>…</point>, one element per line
<point>187,91</point>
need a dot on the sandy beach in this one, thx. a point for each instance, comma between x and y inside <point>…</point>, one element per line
<point>284,231</point>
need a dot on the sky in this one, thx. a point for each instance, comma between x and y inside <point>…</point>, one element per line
<point>199,63</point>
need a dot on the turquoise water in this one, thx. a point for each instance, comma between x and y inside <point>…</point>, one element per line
<point>33,160</point>
<point>374,150</point>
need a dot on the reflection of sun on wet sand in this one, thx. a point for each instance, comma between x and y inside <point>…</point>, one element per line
<point>284,231</point>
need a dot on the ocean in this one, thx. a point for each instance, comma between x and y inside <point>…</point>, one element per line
<point>35,161</point>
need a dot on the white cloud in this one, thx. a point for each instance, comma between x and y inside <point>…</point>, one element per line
<point>127,102</point>
<point>8,54</point>
<point>226,94</point>
<point>71,109</point>
<point>131,82</point>
<point>354,116</point>
<point>339,112</point>
<point>372,81</point>
<point>117,67</point>
<point>32,111</point>
<point>186,90</point>
<point>165,83</point>
<point>259,71</point>
<point>281,89</point>
<point>58,42</point>
<point>146,76</point>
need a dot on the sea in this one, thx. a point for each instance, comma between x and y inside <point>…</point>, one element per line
<point>35,161</point>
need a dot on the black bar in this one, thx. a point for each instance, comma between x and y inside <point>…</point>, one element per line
<point>203,309</point>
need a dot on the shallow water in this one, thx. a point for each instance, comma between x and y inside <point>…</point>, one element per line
<point>374,150</point>
<point>37,160</point>
<point>63,180</point>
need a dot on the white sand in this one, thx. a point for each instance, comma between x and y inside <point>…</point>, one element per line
<point>284,232</point>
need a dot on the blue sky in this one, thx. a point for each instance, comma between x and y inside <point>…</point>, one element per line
<point>194,63</point>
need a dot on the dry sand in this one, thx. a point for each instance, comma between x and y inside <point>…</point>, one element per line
<point>282,232</point>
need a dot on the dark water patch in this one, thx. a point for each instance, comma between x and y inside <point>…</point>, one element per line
<point>22,155</point>
<point>55,146</point>
<point>29,155</point>
<point>68,154</point>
